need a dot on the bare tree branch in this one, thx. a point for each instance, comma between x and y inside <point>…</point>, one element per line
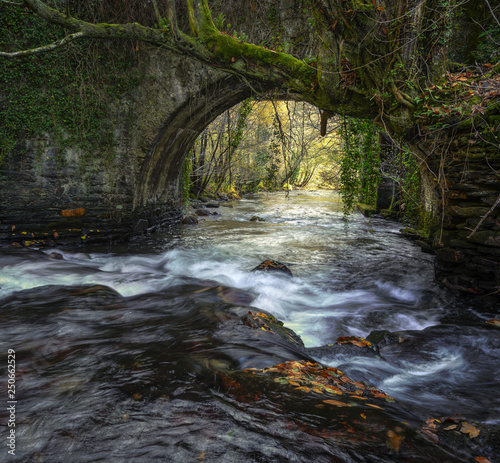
<point>45,48</point>
<point>492,12</point>
<point>483,218</point>
<point>157,12</point>
<point>89,30</point>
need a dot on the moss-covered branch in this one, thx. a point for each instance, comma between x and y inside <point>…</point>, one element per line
<point>97,31</point>
<point>45,48</point>
<point>367,63</point>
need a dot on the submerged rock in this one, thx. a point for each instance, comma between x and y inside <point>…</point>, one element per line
<point>267,322</point>
<point>190,220</point>
<point>202,212</point>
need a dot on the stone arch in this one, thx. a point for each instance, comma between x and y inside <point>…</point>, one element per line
<point>159,179</point>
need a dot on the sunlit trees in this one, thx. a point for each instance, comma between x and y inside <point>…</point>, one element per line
<point>267,145</point>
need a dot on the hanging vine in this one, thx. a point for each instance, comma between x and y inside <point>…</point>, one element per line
<point>359,170</point>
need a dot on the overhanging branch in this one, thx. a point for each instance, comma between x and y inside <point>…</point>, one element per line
<point>45,48</point>
<point>484,217</point>
<point>85,29</point>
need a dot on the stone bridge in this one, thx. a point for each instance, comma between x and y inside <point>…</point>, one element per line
<point>50,197</point>
<point>46,193</point>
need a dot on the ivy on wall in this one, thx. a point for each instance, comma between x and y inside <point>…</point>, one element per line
<point>65,94</point>
<point>359,170</point>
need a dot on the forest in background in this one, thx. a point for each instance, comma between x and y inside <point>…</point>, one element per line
<point>274,145</point>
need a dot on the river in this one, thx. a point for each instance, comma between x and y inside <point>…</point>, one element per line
<point>118,347</point>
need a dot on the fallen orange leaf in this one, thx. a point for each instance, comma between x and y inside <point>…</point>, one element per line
<point>302,388</point>
<point>374,406</point>
<point>333,390</point>
<point>337,403</point>
<point>482,460</point>
<point>469,429</point>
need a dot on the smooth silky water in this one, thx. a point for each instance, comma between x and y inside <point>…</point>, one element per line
<point>125,372</point>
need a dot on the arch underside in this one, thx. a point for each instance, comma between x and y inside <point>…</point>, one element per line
<point>159,179</point>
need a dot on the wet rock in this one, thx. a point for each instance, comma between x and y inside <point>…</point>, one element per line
<point>141,226</point>
<point>380,338</point>
<point>365,209</point>
<point>267,322</point>
<point>412,234</point>
<point>190,220</point>
<point>467,436</point>
<point>54,298</point>
<point>56,255</point>
<point>202,212</point>
<point>450,255</point>
<point>272,266</point>
<point>342,409</point>
<point>389,214</point>
<point>339,352</point>
<point>256,218</point>
<point>212,205</point>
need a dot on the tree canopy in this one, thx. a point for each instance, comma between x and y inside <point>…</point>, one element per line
<point>373,58</point>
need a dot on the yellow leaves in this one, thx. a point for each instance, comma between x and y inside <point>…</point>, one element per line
<point>302,388</point>
<point>430,423</point>
<point>362,415</point>
<point>309,377</point>
<point>281,380</point>
<point>494,322</point>
<point>469,429</point>
<point>394,441</point>
<point>333,390</point>
<point>336,403</point>
<point>430,428</point>
<point>433,425</point>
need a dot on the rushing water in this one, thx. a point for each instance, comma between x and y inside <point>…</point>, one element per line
<point>125,371</point>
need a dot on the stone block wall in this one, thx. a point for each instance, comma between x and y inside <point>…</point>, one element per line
<point>468,258</point>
